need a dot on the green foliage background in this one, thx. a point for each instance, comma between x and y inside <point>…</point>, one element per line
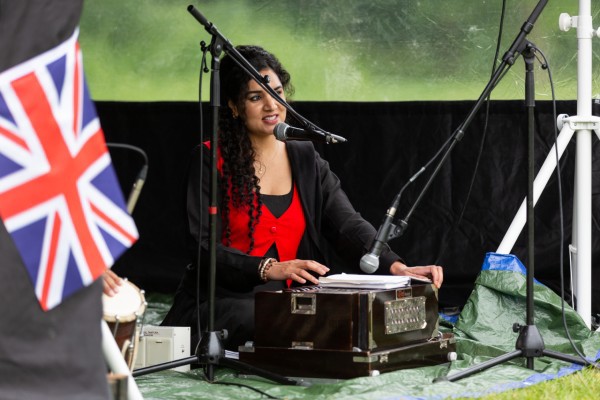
<point>336,50</point>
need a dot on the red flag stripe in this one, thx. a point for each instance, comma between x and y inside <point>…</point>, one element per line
<point>50,263</point>
<point>14,138</point>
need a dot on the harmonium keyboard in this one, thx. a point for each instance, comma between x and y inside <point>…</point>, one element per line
<point>346,333</point>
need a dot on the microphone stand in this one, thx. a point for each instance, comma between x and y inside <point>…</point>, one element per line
<point>210,352</point>
<point>530,343</point>
<point>508,61</point>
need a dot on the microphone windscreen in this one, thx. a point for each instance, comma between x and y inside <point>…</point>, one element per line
<point>279,131</point>
<point>369,263</point>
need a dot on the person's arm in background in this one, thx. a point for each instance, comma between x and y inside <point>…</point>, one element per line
<point>112,282</point>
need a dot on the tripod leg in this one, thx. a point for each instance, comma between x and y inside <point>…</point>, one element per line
<point>564,357</point>
<point>480,367</point>
<point>210,353</point>
<point>240,366</point>
<point>164,366</point>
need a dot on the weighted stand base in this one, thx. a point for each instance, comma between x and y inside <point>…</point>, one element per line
<point>529,344</point>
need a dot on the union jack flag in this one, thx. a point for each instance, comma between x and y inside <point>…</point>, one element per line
<point>59,195</point>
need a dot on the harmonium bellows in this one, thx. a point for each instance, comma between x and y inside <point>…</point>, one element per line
<point>343,333</point>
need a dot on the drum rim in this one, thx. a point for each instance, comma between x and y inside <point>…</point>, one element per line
<point>127,317</point>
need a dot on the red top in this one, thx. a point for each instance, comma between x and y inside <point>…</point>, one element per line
<point>285,231</point>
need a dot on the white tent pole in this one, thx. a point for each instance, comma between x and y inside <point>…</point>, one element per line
<point>582,218</point>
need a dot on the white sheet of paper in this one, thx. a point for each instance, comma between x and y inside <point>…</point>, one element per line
<point>359,281</point>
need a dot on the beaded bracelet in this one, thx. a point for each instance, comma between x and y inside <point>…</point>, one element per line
<point>264,266</point>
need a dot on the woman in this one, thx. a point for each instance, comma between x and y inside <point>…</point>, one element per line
<point>283,216</point>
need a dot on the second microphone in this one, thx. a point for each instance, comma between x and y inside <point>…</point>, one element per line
<point>283,132</point>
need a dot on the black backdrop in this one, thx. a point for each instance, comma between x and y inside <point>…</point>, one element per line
<point>387,143</point>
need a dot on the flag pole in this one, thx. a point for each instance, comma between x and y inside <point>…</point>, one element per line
<point>117,363</point>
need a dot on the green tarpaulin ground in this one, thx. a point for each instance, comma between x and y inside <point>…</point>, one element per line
<point>483,331</point>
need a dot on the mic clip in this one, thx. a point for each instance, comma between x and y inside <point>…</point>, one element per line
<point>330,138</point>
<point>396,230</point>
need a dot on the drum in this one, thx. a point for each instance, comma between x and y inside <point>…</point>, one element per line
<point>124,314</point>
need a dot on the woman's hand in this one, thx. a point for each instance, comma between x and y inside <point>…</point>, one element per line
<point>296,270</point>
<point>111,283</point>
<point>433,272</point>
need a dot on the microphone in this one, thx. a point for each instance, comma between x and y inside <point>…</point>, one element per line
<point>369,263</point>
<point>283,132</point>
<point>387,231</point>
<point>137,189</point>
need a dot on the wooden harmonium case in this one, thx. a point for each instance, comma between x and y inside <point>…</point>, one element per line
<point>347,333</point>
<point>345,319</point>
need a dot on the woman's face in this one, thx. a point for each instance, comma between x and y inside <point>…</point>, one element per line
<point>262,112</point>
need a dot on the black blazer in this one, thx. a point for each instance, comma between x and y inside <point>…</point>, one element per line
<point>336,234</point>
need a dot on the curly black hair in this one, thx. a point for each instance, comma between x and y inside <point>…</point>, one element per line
<point>240,186</point>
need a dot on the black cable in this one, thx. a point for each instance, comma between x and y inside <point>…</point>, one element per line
<point>396,201</point>
<point>457,133</point>
<point>129,147</point>
<point>482,143</point>
<point>248,387</point>
<point>546,65</point>
<point>138,184</point>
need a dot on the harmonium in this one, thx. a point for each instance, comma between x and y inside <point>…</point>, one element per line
<point>341,333</point>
